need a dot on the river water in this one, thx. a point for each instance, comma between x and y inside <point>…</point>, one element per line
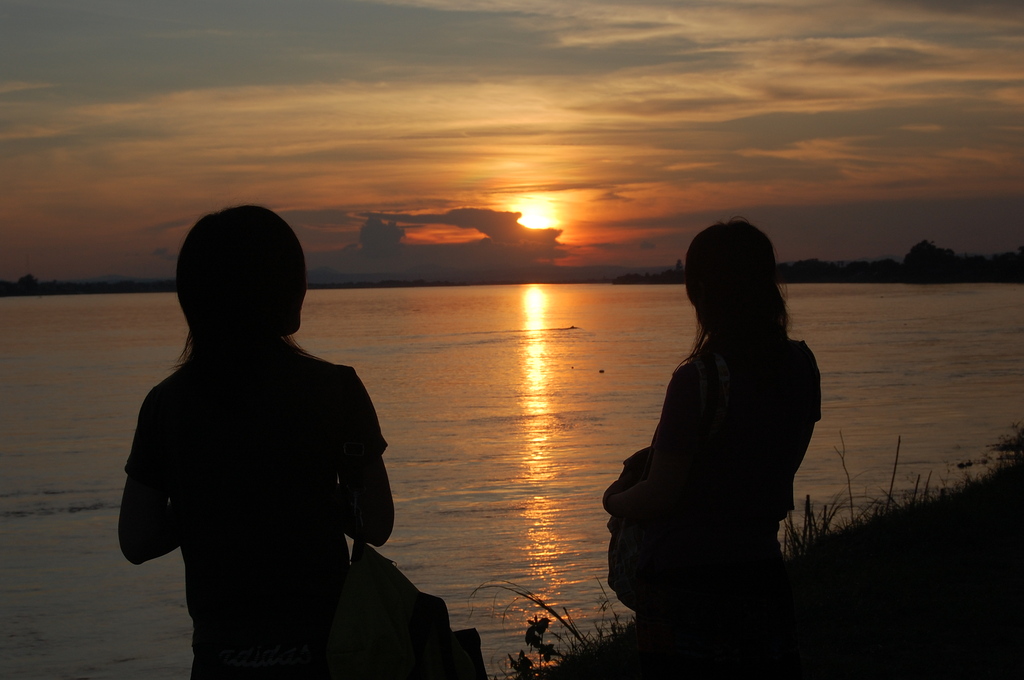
<point>508,409</point>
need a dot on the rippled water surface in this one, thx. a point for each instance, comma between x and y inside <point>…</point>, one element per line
<point>507,409</point>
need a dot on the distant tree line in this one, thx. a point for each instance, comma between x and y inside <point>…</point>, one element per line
<point>674,275</point>
<point>30,285</point>
<point>925,263</point>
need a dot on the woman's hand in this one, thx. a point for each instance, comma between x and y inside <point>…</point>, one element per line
<point>654,496</point>
<point>618,486</point>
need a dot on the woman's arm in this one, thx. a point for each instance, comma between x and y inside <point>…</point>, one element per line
<point>672,457</point>
<point>378,507</point>
<point>146,527</point>
<point>376,504</point>
<point>656,495</point>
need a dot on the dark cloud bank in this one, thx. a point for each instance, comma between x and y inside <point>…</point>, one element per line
<point>504,251</point>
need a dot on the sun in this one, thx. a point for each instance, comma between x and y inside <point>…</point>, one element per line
<point>538,212</point>
<point>537,221</point>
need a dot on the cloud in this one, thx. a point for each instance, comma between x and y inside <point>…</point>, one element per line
<point>322,219</point>
<point>378,239</point>
<point>1008,8</point>
<point>385,246</point>
<point>921,127</point>
<point>18,86</point>
<point>885,58</point>
<point>180,224</point>
<point>501,227</point>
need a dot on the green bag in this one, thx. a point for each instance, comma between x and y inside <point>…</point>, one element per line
<point>385,628</point>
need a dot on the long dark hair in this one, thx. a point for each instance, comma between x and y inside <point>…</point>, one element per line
<point>732,282</point>
<point>241,280</point>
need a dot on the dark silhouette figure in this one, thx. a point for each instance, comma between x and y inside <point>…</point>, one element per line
<point>714,597</point>
<point>240,455</point>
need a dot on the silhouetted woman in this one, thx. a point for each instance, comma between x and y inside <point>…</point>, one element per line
<point>239,456</point>
<point>715,600</point>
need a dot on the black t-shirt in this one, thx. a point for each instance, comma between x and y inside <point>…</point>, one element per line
<point>250,458</point>
<point>741,485</point>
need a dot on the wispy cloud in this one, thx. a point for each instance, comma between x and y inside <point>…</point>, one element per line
<point>18,86</point>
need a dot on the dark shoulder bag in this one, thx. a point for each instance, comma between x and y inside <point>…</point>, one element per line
<point>627,535</point>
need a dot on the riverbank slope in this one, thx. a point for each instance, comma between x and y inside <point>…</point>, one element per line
<point>924,588</point>
<point>933,590</point>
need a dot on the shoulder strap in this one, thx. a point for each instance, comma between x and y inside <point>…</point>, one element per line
<point>352,457</point>
<point>714,394</point>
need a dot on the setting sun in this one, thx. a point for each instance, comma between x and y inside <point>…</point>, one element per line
<point>537,221</point>
<point>538,212</point>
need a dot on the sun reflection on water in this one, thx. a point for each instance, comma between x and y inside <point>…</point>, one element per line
<point>540,511</point>
<point>535,387</point>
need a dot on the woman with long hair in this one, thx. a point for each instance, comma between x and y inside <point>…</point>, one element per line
<point>241,454</point>
<point>714,597</point>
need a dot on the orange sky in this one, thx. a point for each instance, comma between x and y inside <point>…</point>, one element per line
<point>845,129</point>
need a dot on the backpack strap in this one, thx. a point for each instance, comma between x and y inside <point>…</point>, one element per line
<point>714,395</point>
<point>353,455</point>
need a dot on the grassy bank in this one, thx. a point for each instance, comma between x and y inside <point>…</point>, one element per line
<point>930,588</point>
<point>928,585</point>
